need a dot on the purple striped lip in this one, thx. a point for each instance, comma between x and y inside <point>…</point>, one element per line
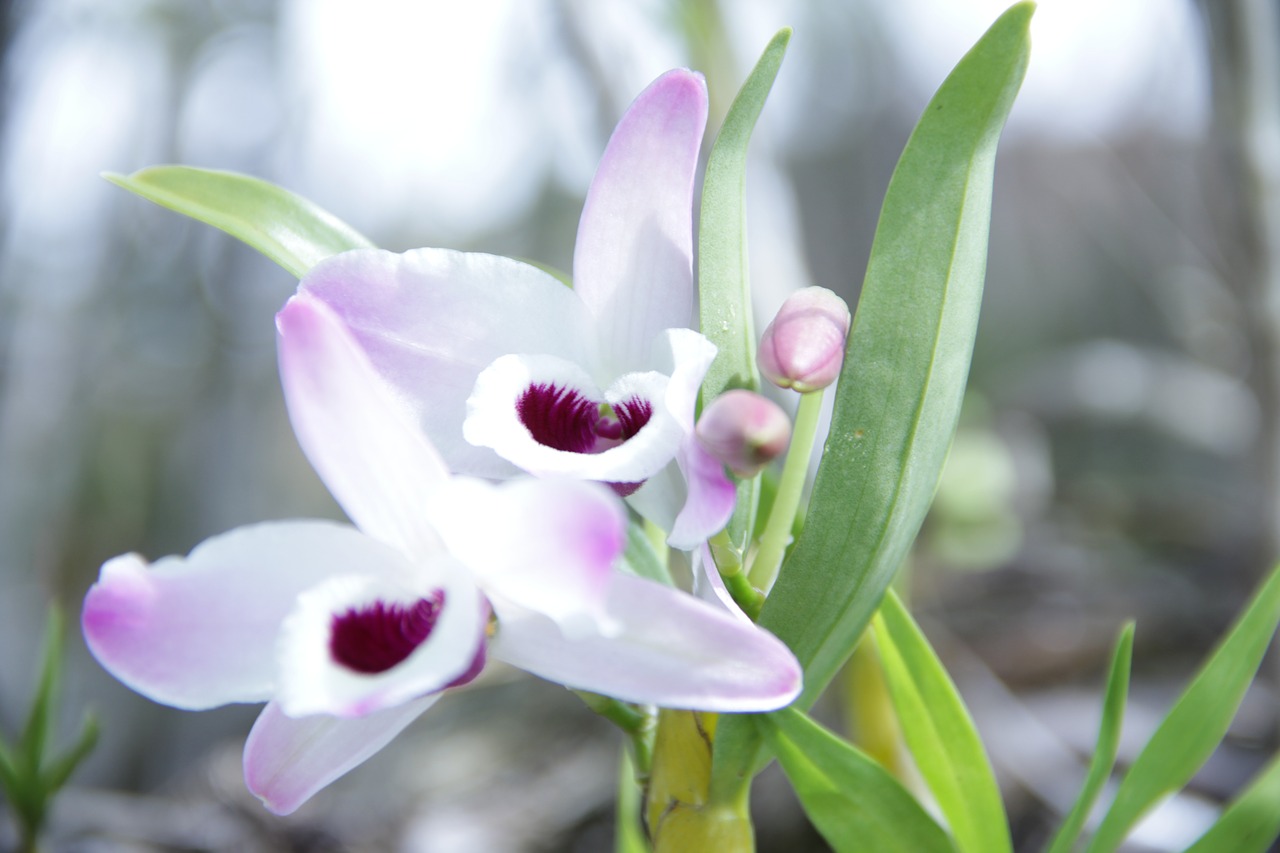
<point>375,637</point>
<point>563,419</point>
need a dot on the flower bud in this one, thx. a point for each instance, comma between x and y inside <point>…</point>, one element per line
<point>804,345</point>
<point>744,430</point>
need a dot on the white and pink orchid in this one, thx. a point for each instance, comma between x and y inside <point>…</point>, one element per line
<point>507,370</point>
<point>349,633</point>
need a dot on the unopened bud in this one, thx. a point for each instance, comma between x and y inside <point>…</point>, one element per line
<point>804,345</point>
<point>744,430</point>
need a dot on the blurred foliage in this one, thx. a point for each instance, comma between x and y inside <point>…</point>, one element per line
<point>30,775</point>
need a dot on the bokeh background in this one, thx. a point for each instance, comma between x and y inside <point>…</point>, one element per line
<point>1119,452</point>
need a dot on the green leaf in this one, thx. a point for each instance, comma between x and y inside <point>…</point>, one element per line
<point>287,228</point>
<point>628,837</point>
<point>906,363</point>
<point>640,559</point>
<point>1104,752</point>
<point>940,733</point>
<point>854,802</point>
<point>1252,822</point>
<point>1198,721</point>
<point>724,287</point>
<point>40,719</point>
<point>57,774</point>
<point>10,775</point>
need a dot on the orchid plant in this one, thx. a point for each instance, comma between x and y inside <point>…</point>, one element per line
<point>522,458</point>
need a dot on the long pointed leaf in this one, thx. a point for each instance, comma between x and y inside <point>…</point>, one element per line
<point>40,718</point>
<point>1196,724</point>
<point>940,733</point>
<point>287,228</point>
<point>724,287</point>
<point>904,374</point>
<point>1104,752</point>
<point>1252,821</point>
<point>854,802</point>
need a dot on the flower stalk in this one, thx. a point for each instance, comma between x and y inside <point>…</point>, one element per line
<point>777,532</point>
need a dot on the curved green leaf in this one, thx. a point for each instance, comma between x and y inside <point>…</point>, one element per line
<point>724,288</point>
<point>1104,752</point>
<point>854,802</point>
<point>1252,822</point>
<point>905,368</point>
<point>940,733</point>
<point>1196,724</point>
<point>287,228</point>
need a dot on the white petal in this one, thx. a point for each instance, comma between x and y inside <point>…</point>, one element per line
<point>431,319</point>
<point>549,545</point>
<point>633,261</point>
<point>287,760</point>
<point>692,498</point>
<point>360,439</point>
<point>493,420</point>
<point>200,631</point>
<point>670,649</point>
<point>314,681</point>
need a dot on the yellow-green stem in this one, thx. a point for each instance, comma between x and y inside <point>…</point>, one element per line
<point>728,562</point>
<point>777,531</point>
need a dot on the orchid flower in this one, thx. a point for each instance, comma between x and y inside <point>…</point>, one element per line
<point>507,370</point>
<point>349,633</point>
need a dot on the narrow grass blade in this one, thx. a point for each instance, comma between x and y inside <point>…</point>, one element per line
<point>1196,724</point>
<point>1104,752</point>
<point>1252,822</point>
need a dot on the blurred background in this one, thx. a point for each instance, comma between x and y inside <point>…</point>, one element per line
<point>1119,453</point>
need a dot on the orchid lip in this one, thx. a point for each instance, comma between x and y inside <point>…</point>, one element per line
<point>378,636</point>
<point>564,419</point>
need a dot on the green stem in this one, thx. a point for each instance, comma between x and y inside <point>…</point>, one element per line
<point>637,722</point>
<point>728,560</point>
<point>777,531</point>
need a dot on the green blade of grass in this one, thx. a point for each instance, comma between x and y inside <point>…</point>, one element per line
<point>1104,752</point>
<point>1252,822</point>
<point>1198,720</point>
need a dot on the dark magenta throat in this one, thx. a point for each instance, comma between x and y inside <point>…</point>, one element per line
<point>376,637</point>
<point>563,419</point>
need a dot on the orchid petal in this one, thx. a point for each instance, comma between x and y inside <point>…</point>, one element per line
<point>692,497</point>
<point>493,420</point>
<point>709,586</point>
<point>449,633</point>
<point>669,649</point>
<point>191,632</point>
<point>287,759</point>
<point>710,497</point>
<point>633,263</point>
<point>431,319</point>
<point>361,442</point>
<point>548,545</point>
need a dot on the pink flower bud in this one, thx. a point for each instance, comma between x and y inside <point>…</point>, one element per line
<point>804,345</point>
<point>744,430</point>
